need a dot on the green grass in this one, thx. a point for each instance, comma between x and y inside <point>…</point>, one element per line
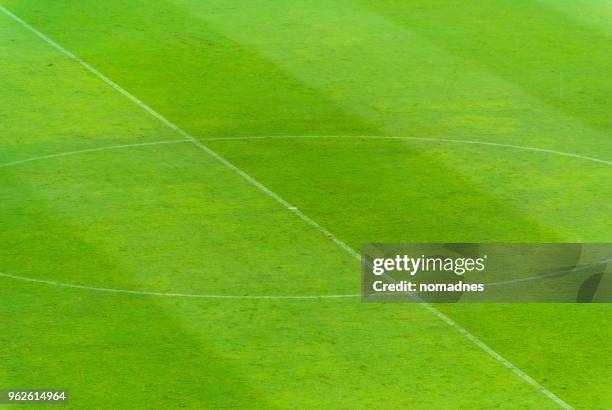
<point>170,218</point>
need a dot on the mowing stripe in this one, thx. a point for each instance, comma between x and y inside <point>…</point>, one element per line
<point>286,204</point>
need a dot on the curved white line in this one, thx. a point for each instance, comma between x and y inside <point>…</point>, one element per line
<point>84,151</point>
<point>367,137</point>
<point>382,137</point>
<point>172,294</point>
<point>550,274</point>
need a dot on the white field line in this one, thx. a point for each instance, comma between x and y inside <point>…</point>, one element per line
<point>362,137</point>
<point>286,204</point>
<point>84,151</point>
<point>434,140</point>
<point>172,294</point>
<point>497,356</point>
<point>551,274</point>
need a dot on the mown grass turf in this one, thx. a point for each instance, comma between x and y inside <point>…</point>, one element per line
<point>169,218</point>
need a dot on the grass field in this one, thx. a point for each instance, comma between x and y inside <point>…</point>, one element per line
<point>96,193</point>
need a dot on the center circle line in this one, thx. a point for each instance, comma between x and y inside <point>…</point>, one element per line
<point>204,139</point>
